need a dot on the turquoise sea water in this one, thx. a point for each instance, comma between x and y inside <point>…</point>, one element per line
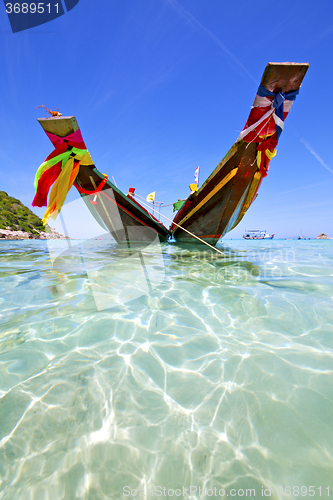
<point>171,367</point>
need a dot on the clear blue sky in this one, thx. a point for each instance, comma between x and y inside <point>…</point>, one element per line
<point>161,86</point>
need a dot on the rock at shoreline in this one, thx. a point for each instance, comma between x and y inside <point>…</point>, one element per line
<point>323,236</point>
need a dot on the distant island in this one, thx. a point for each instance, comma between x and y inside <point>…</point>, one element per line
<point>323,236</point>
<point>18,222</point>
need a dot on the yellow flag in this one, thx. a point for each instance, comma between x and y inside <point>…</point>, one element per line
<point>151,197</point>
<point>193,187</point>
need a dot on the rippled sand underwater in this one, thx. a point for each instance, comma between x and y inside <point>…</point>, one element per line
<point>172,367</point>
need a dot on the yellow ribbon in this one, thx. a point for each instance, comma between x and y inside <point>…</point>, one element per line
<point>86,160</point>
<point>270,154</point>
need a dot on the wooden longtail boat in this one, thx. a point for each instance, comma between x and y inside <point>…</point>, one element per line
<point>121,215</point>
<point>221,202</point>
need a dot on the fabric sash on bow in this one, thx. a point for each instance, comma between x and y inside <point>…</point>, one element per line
<point>61,168</point>
<point>267,114</point>
<point>264,127</point>
<point>265,124</point>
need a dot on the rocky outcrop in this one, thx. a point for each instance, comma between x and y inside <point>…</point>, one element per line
<point>10,234</point>
<point>18,222</point>
<point>323,236</point>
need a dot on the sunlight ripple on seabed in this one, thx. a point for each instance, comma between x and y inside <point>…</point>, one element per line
<point>218,375</point>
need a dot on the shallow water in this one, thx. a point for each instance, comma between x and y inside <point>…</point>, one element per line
<point>169,366</point>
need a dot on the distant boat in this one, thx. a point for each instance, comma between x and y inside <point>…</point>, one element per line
<point>256,234</point>
<point>301,237</point>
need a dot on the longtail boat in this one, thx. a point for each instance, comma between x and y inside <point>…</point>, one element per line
<point>221,202</point>
<point>70,164</point>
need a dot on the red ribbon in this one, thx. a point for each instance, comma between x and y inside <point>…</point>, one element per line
<point>269,143</point>
<point>50,175</point>
<point>97,190</point>
<point>74,139</point>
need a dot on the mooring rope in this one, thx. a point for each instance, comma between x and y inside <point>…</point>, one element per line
<point>189,232</point>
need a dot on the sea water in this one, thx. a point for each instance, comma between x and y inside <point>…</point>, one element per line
<point>166,371</point>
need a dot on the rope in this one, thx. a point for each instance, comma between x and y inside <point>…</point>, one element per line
<point>101,200</point>
<point>169,205</point>
<point>159,202</point>
<point>144,199</point>
<point>258,133</point>
<point>189,232</point>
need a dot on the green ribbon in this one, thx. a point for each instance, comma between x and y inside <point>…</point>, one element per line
<point>63,157</point>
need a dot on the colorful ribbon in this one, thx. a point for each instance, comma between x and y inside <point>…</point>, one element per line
<point>74,139</point>
<point>61,168</point>
<point>266,151</point>
<point>60,189</point>
<point>278,105</point>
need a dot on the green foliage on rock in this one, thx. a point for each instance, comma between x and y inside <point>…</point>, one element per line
<point>15,215</point>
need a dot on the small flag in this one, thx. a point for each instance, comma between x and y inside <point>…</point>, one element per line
<point>151,197</point>
<point>193,187</point>
<point>196,175</point>
<point>178,205</point>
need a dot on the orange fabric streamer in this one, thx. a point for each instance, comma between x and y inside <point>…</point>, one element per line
<point>60,189</point>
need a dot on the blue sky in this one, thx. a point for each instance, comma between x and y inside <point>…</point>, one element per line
<point>161,86</point>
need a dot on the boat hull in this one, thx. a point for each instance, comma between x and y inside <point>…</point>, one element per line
<point>213,210</point>
<point>222,201</point>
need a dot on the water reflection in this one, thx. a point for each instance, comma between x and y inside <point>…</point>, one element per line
<point>216,377</point>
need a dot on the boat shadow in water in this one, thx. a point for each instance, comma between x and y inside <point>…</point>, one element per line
<point>209,267</point>
<point>116,274</point>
